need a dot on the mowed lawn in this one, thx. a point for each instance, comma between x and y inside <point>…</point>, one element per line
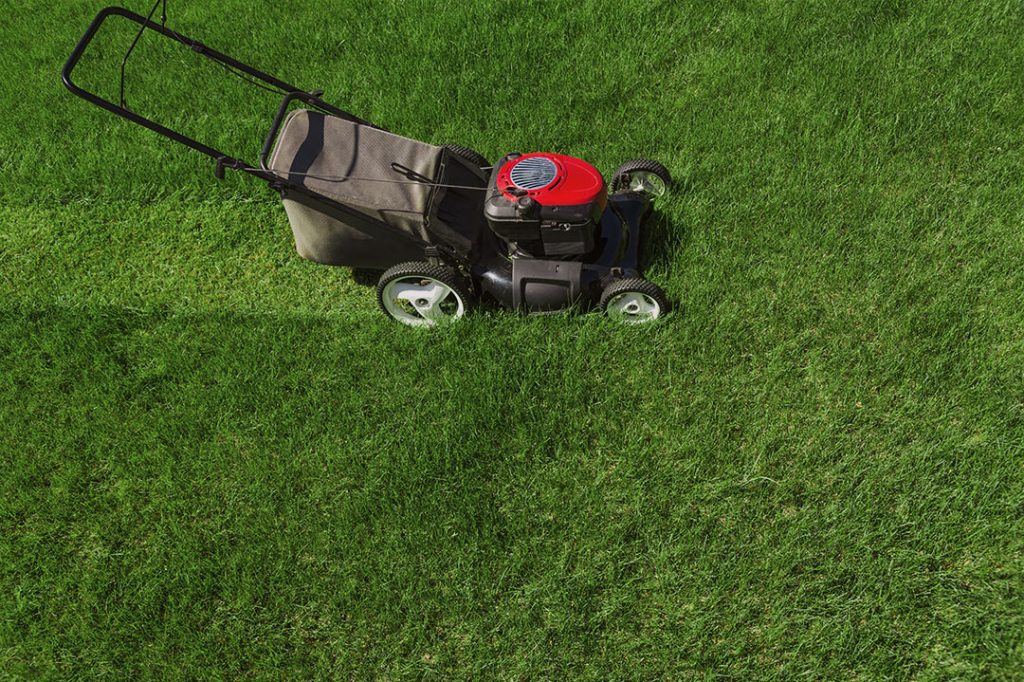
<point>222,461</point>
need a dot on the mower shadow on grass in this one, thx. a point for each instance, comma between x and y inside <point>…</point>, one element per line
<point>660,241</point>
<point>366,277</point>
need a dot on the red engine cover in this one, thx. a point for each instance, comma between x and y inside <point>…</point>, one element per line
<point>553,180</point>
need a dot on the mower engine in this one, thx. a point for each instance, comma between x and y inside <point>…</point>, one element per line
<point>545,205</point>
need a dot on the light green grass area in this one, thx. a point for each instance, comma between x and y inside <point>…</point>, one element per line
<point>222,461</point>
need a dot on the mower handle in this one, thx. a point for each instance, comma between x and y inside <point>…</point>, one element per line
<point>223,160</point>
<point>268,143</point>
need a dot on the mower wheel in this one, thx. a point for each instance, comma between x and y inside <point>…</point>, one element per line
<point>421,294</point>
<point>634,301</point>
<point>643,176</point>
<point>474,157</point>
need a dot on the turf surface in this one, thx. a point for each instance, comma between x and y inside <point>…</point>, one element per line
<point>222,461</point>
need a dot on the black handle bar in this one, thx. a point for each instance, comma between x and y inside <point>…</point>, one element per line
<point>291,93</point>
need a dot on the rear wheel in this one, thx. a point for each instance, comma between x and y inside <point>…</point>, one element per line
<point>474,157</point>
<point>421,294</point>
<point>634,301</point>
<point>643,176</point>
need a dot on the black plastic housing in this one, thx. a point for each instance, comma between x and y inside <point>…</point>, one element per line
<point>567,239</point>
<point>508,219</point>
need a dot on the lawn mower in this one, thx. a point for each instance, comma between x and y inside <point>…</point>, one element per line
<point>536,232</point>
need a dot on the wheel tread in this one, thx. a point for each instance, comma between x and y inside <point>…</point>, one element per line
<point>442,273</point>
<point>468,154</point>
<point>640,164</point>
<point>637,284</point>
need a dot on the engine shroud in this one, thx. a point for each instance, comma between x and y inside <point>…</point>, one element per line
<point>547,204</point>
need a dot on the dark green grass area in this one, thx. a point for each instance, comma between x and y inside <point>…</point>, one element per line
<point>222,461</point>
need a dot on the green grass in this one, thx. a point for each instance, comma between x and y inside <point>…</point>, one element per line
<point>221,461</point>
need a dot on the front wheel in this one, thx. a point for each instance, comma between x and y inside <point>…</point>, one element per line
<point>420,294</point>
<point>643,176</point>
<point>634,301</point>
